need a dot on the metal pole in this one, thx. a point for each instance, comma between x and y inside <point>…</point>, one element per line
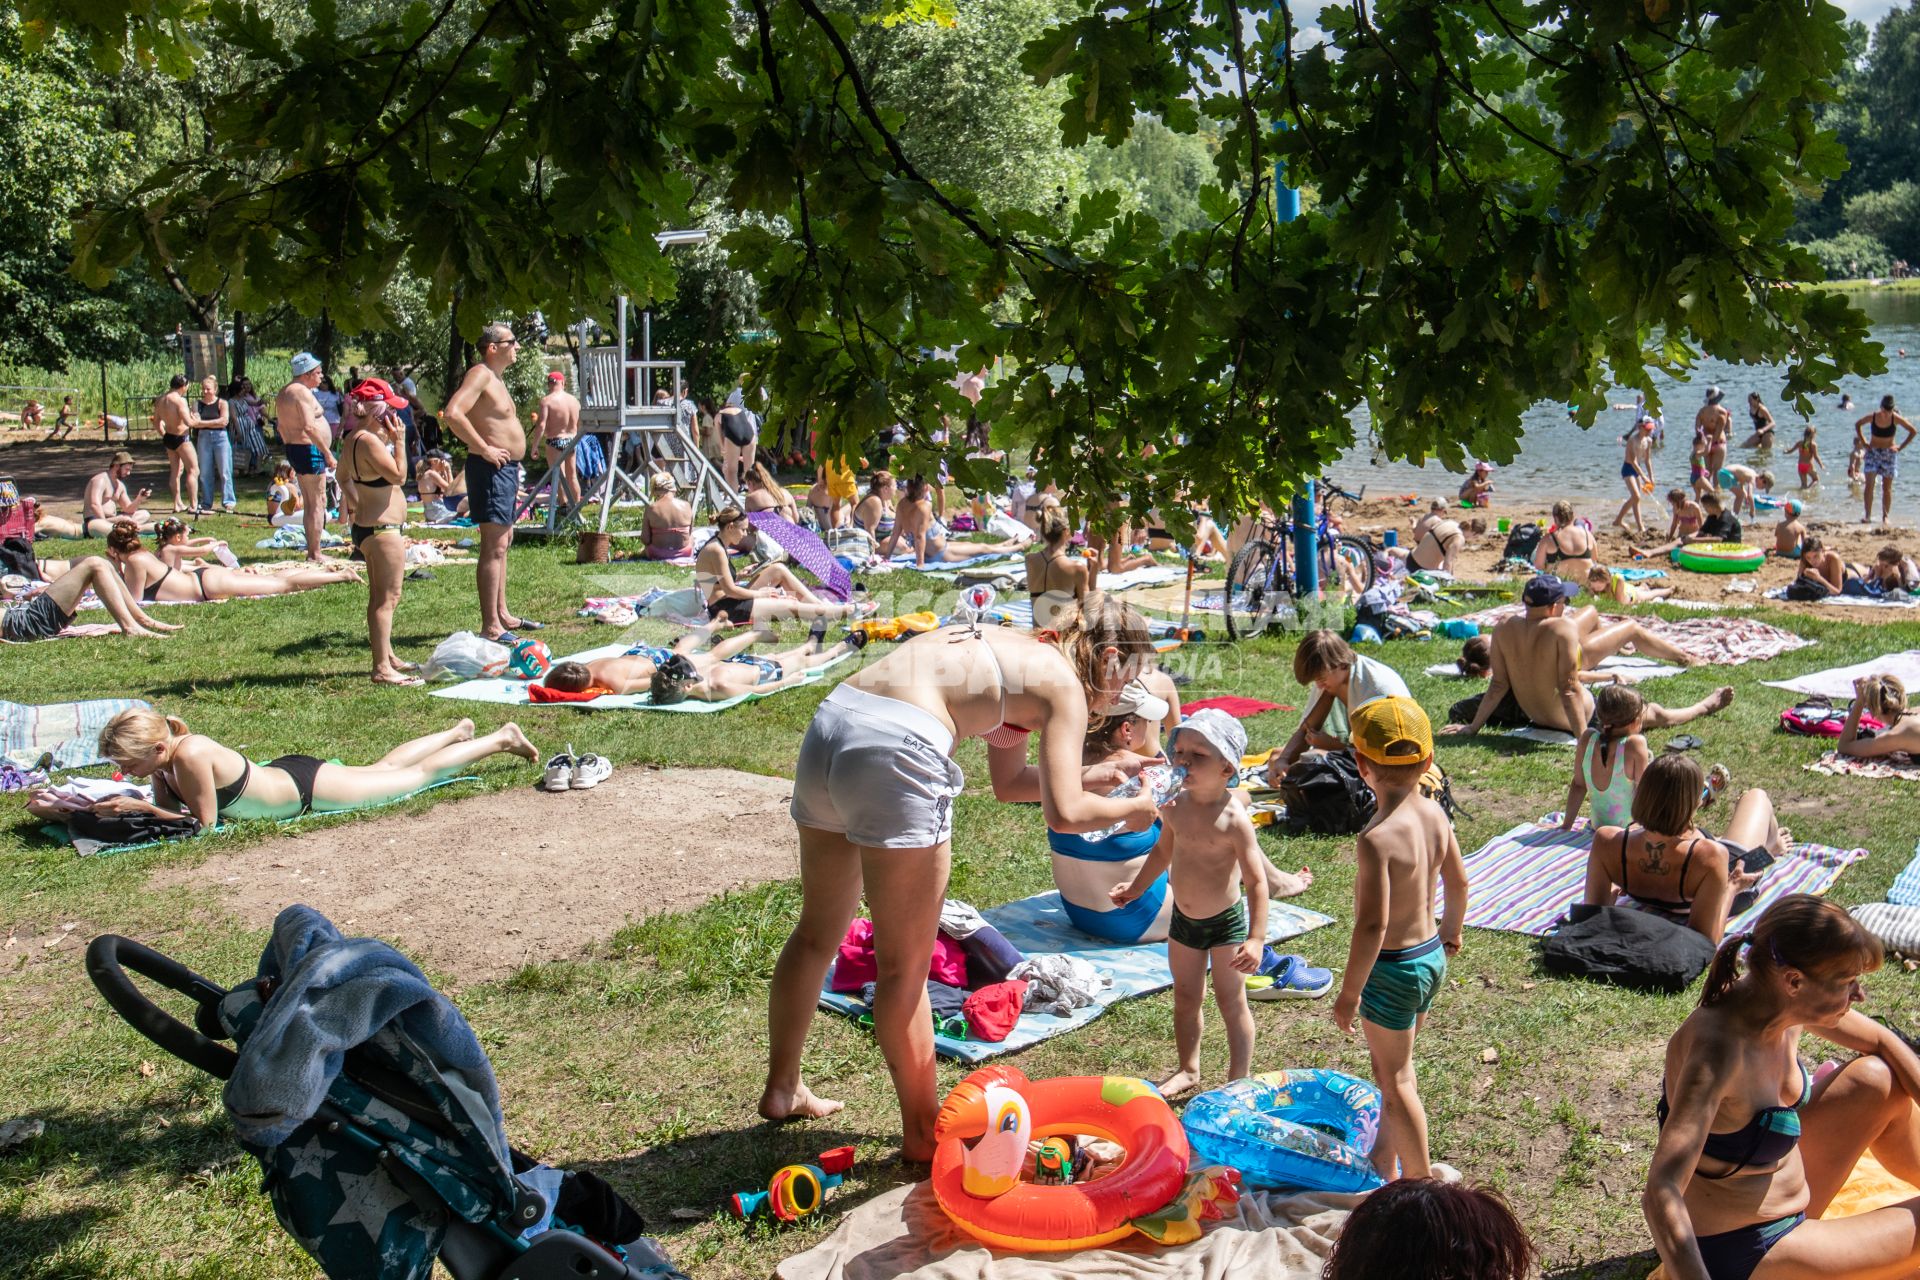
<point>1306,539</point>
<point>105,408</point>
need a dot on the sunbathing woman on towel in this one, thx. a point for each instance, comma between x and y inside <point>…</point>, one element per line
<point>915,524</point>
<point>873,795</point>
<point>1753,1146</point>
<point>775,594</point>
<point>151,580</point>
<point>193,774</point>
<point>1886,698</point>
<point>1660,859</point>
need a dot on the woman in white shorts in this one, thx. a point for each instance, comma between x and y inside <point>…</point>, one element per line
<point>873,795</point>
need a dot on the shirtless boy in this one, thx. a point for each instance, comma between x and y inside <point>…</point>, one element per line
<point>174,420</point>
<point>557,419</point>
<point>1209,842</point>
<point>1636,470</point>
<point>1397,962</point>
<point>1538,658</point>
<point>107,499</point>
<point>728,670</point>
<point>481,413</point>
<point>309,446</point>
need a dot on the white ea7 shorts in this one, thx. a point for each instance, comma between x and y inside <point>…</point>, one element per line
<point>878,770</point>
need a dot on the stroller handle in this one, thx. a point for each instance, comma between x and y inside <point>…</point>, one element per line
<point>109,956</point>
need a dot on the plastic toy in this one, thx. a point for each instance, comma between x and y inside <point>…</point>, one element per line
<point>798,1190</point>
<point>1311,1129</point>
<point>1053,1162</point>
<point>530,660</point>
<point>1719,557</point>
<point>1030,1217</point>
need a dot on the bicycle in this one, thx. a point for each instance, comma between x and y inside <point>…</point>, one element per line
<point>1260,582</point>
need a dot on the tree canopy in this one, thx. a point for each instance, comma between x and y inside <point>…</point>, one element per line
<point>1515,202</point>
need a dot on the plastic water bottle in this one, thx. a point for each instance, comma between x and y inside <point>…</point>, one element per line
<point>1162,779</point>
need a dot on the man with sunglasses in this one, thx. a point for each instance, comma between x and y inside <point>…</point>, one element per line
<point>481,414</point>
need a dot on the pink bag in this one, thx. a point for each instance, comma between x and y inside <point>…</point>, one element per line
<point>855,966</point>
<point>1818,717</point>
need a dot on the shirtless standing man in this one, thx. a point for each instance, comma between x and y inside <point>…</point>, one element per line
<point>175,423</point>
<point>481,414</point>
<point>1715,423</point>
<point>1537,660</point>
<point>309,446</point>
<point>107,499</point>
<point>558,421</point>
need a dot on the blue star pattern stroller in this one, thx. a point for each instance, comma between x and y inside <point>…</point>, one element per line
<point>375,1117</point>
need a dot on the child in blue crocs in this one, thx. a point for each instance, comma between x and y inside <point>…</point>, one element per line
<point>1208,841</point>
<point>1398,963</point>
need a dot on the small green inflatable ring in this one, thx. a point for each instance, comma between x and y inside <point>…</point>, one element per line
<point>1719,557</point>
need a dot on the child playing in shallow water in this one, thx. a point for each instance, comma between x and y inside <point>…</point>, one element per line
<point>1208,840</point>
<point>1809,453</point>
<point>1605,584</point>
<point>1856,464</point>
<point>1398,961</point>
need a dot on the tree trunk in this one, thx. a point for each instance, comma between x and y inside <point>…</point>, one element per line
<point>239,352</point>
<point>323,341</point>
<point>456,366</point>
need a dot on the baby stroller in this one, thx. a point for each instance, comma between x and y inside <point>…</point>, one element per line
<point>375,1117</point>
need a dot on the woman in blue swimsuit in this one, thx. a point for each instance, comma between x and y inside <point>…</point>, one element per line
<point>1753,1147</point>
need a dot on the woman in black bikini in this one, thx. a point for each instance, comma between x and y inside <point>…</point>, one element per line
<point>1753,1147</point>
<point>374,454</point>
<point>194,775</point>
<point>775,594</point>
<point>151,581</point>
<point>1662,860</point>
<point>1566,550</point>
<point>1762,437</point>
<point>1882,454</point>
<point>1057,580</point>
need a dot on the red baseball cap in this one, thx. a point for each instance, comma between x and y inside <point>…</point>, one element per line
<point>375,389</point>
<point>554,375</point>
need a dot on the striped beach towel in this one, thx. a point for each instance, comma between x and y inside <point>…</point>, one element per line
<point>70,731</point>
<point>1524,880</point>
<point>1722,641</point>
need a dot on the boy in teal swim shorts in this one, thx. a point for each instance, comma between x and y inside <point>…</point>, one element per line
<point>1398,962</point>
<point>1210,844</point>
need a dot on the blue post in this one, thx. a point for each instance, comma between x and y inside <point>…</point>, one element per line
<point>1306,539</point>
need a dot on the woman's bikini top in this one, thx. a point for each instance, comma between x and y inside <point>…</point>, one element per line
<point>224,797</point>
<point>378,482</point>
<point>1762,420</point>
<point>1003,734</point>
<point>1768,1138</point>
<point>1680,907</point>
<point>1876,431</point>
<point>1555,555</point>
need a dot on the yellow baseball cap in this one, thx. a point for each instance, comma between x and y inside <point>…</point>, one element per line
<point>1391,731</point>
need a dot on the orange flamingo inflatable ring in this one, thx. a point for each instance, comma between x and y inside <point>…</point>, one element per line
<point>999,1112</point>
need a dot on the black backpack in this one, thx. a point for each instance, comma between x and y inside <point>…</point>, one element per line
<point>1522,541</point>
<point>1627,947</point>
<point>1806,587</point>
<point>1325,796</point>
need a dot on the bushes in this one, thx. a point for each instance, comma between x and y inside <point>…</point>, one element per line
<point>1851,255</point>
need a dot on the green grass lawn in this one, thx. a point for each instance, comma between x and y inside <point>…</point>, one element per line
<point>643,1061</point>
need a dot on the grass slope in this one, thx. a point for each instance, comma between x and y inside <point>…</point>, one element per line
<point>643,1061</point>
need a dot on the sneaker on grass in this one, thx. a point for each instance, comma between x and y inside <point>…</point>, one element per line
<point>591,771</point>
<point>559,775</point>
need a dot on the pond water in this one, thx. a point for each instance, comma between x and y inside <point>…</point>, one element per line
<point>1558,459</point>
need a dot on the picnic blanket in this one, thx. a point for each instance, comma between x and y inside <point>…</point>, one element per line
<point>1237,707</point>
<point>1523,880</point>
<point>623,611</point>
<point>1899,765</point>
<point>1627,667</point>
<point>1854,602</point>
<point>1837,682</point>
<point>1019,613</point>
<point>1906,886</point>
<point>68,731</point>
<point>1039,926</point>
<point>807,551</point>
<point>513,693</point>
<point>1726,642</point>
<point>904,1232</point>
<point>76,631</point>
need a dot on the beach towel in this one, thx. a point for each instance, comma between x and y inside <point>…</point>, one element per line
<point>1019,613</point>
<point>68,731</point>
<point>807,551</point>
<point>1038,926</point>
<point>1726,642</point>
<point>904,1233</point>
<point>1855,602</point>
<point>1523,880</point>
<point>1237,707</point>
<point>1837,682</point>
<point>1896,926</point>
<point>1628,668</point>
<point>513,693</point>
<point>1546,737</point>
<point>624,611</point>
<point>76,631</point>
<point>1899,765</point>
<point>1906,886</point>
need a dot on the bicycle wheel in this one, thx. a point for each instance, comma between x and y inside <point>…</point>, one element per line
<point>1252,590</point>
<point>1355,553</point>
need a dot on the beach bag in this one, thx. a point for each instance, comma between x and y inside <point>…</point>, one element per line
<point>1628,948</point>
<point>465,655</point>
<point>1522,541</point>
<point>1817,717</point>
<point>1808,588</point>
<point>1325,796</point>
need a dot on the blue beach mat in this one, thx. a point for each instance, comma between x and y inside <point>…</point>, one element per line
<point>1039,926</point>
<point>1906,886</point>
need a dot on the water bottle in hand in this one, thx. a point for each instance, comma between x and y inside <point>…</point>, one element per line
<point>1161,779</point>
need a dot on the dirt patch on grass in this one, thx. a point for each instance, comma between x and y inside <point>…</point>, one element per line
<point>479,887</point>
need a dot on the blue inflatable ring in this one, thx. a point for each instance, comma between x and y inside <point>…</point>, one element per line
<point>1310,1129</point>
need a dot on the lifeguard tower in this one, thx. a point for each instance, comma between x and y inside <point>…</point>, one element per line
<point>617,407</point>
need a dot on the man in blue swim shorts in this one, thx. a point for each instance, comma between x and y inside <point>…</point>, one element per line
<point>481,413</point>
<point>309,446</point>
<point>1397,961</point>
